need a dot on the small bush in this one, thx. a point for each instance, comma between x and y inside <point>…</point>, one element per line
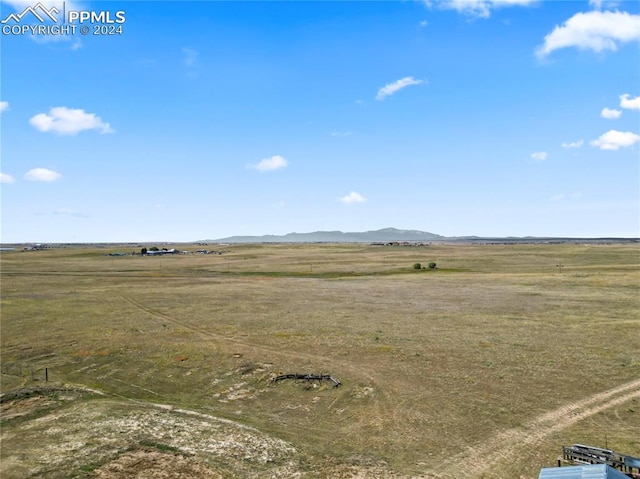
<point>417,266</point>
<point>432,265</point>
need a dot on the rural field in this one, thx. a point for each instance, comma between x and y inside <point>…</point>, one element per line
<point>162,366</point>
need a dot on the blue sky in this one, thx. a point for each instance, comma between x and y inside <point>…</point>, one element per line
<point>209,119</point>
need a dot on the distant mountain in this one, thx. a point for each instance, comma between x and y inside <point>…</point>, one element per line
<point>383,235</point>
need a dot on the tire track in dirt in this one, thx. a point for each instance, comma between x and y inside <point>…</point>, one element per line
<point>244,344</point>
<point>384,406</point>
<point>505,445</point>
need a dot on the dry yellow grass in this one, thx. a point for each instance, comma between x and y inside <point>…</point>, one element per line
<point>476,365</point>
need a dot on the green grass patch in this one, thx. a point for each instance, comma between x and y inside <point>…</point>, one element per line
<point>160,446</point>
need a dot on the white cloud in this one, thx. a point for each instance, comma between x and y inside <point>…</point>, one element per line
<point>352,198</point>
<point>341,133</point>
<point>69,121</point>
<point>423,23</point>
<point>599,4</point>
<point>594,30</point>
<point>190,56</point>
<point>269,164</point>
<point>614,140</point>
<point>68,212</point>
<point>573,196</point>
<point>59,39</point>
<point>610,114</point>
<point>42,174</point>
<point>4,105</point>
<point>77,44</point>
<point>392,88</point>
<point>573,144</point>
<point>539,155</point>
<point>629,103</point>
<point>6,179</point>
<point>476,8</point>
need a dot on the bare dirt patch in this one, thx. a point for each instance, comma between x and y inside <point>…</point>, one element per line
<point>153,464</point>
<point>120,438</point>
<point>504,446</point>
<point>23,407</point>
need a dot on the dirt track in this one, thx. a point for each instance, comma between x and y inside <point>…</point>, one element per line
<point>474,462</point>
<point>384,404</point>
<point>505,445</point>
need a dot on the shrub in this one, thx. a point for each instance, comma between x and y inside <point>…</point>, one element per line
<point>432,265</point>
<point>417,266</point>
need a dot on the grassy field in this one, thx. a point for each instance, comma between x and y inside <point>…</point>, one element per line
<point>481,368</point>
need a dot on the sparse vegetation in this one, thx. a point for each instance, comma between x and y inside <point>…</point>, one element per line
<point>430,365</point>
<point>159,446</point>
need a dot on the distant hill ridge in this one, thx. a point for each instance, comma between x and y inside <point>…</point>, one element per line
<point>385,234</point>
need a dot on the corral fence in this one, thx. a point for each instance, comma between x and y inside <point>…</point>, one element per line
<point>27,371</point>
<point>308,377</point>
<point>581,454</point>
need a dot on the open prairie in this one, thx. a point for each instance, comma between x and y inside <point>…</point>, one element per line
<point>481,368</point>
